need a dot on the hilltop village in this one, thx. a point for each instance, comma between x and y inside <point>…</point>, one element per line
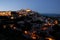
<point>28,25</point>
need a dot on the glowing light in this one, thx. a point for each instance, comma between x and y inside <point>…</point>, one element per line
<point>9,13</point>
<point>49,23</point>
<point>50,38</point>
<point>28,10</point>
<point>5,13</point>
<point>26,32</point>
<point>4,26</point>
<point>33,36</point>
<point>12,17</point>
<point>14,27</point>
<point>20,15</point>
<point>56,22</point>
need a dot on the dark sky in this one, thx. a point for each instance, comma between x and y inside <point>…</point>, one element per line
<point>42,6</point>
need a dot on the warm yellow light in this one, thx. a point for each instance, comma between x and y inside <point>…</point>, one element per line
<point>56,22</point>
<point>50,38</point>
<point>28,10</point>
<point>5,13</point>
<point>33,37</point>
<point>9,13</point>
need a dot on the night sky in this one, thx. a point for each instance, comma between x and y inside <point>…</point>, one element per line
<point>42,6</point>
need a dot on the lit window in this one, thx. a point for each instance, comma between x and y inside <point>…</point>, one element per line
<point>12,17</point>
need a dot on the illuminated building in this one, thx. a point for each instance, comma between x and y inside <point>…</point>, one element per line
<point>5,13</point>
<point>28,10</point>
<point>56,22</point>
<point>26,22</point>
